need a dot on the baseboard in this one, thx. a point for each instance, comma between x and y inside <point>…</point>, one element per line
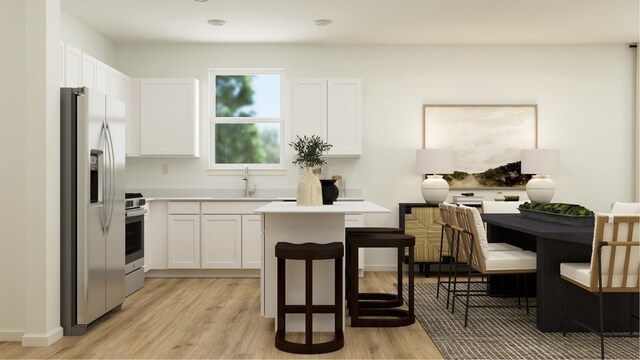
<point>11,335</point>
<point>42,339</point>
<point>204,273</point>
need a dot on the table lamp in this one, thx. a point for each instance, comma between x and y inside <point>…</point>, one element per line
<point>434,161</point>
<point>540,162</point>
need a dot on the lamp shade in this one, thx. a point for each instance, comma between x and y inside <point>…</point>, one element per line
<point>434,161</point>
<point>540,161</point>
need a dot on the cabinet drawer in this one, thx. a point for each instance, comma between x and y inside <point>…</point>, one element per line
<point>184,207</point>
<point>230,207</point>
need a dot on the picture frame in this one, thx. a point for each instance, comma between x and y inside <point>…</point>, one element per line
<point>486,140</point>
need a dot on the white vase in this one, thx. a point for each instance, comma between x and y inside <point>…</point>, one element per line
<point>309,189</point>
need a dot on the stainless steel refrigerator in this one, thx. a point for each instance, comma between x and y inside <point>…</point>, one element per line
<point>92,207</point>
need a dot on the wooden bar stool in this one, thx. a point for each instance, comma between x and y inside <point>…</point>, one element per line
<point>392,316</point>
<point>309,252</point>
<point>371,300</point>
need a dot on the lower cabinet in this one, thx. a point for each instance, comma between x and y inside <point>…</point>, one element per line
<point>251,241</point>
<point>183,241</point>
<point>222,241</point>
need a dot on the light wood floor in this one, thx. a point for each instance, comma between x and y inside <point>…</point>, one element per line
<point>200,318</point>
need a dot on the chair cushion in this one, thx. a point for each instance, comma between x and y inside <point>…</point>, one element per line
<point>503,247</point>
<point>578,272</point>
<point>581,273</point>
<point>482,233</point>
<point>625,208</point>
<point>511,260</point>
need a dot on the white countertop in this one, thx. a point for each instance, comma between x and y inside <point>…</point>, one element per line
<point>341,207</point>
<point>244,199</point>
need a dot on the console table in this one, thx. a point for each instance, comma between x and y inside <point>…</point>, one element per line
<point>555,244</point>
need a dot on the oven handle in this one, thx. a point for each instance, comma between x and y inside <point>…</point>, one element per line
<point>137,212</point>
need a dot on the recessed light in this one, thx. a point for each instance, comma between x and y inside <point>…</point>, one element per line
<point>200,0</point>
<point>323,22</point>
<point>216,22</point>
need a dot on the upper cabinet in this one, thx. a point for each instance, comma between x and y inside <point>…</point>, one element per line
<point>164,118</point>
<point>330,108</point>
<point>72,66</point>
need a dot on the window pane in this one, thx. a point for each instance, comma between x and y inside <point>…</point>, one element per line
<point>248,95</point>
<point>247,143</point>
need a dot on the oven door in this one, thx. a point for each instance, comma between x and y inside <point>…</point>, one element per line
<point>134,240</point>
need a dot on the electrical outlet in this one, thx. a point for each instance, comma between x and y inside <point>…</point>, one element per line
<point>165,169</point>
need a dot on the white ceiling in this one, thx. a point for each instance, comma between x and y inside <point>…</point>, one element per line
<point>364,21</point>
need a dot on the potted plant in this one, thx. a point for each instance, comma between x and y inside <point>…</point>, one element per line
<point>309,151</point>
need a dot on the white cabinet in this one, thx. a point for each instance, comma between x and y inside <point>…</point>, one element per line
<point>118,85</point>
<point>168,117</point>
<point>251,241</point>
<point>102,77</point>
<point>330,108</point>
<point>184,242</point>
<point>221,241</point>
<point>72,66</point>
<point>89,70</point>
<point>183,235</point>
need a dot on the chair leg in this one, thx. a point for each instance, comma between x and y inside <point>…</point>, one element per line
<point>518,290</point>
<point>526,293</point>
<point>564,309</point>
<point>466,309</point>
<point>455,277</point>
<point>601,326</point>
<point>439,264</point>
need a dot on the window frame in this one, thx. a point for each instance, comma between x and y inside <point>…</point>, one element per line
<point>213,119</point>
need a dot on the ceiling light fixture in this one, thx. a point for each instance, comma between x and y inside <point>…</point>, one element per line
<point>216,22</point>
<point>323,22</point>
<point>200,0</point>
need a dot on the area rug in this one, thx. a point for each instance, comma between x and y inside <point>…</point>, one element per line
<point>505,333</point>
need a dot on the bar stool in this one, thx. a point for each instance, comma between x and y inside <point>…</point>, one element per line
<point>357,308</point>
<point>371,300</point>
<point>309,252</point>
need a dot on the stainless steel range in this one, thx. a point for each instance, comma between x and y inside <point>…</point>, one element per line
<point>135,210</point>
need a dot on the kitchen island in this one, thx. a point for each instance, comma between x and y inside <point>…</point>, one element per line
<point>284,221</point>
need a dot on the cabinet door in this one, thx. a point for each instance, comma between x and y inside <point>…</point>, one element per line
<point>102,77</point>
<point>251,241</point>
<point>184,241</point>
<point>118,85</point>
<point>356,220</point>
<point>221,241</point>
<point>89,71</point>
<point>169,117</point>
<point>344,117</point>
<point>309,107</point>
<point>72,66</point>
<point>62,64</point>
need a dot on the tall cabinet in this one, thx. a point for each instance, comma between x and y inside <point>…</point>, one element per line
<point>330,108</point>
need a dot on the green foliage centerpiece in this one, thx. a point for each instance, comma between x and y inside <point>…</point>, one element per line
<point>309,151</point>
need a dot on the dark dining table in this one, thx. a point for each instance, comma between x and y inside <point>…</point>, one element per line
<point>555,244</point>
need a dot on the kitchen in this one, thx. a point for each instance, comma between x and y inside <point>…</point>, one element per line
<point>397,78</point>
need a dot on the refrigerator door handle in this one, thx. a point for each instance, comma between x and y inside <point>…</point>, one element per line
<point>105,162</point>
<point>112,176</point>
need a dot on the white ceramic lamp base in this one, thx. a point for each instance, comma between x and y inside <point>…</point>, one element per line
<point>540,189</point>
<point>435,189</point>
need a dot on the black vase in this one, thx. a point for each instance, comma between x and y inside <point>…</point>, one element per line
<point>330,191</point>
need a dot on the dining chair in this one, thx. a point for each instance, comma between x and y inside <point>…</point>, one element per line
<point>613,268</point>
<point>472,242</point>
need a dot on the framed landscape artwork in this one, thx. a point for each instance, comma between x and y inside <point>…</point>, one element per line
<point>486,140</point>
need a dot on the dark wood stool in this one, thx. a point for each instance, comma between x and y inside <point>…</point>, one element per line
<point>309,252</point>
<point>371,300</point>
<point>357,308</point>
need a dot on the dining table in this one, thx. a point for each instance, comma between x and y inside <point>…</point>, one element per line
<point>554,244</point>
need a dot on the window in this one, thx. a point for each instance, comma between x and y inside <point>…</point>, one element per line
<point>246,118</point>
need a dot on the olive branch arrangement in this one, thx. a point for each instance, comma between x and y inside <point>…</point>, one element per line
<point>309,150</point>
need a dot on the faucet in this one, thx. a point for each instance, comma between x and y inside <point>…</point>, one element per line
<point>245,176</point>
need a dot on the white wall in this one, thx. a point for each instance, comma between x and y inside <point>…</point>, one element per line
<point>29,214</point>
<point>12,158</point>
<point>584,96</point>
<point>85,38</point>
